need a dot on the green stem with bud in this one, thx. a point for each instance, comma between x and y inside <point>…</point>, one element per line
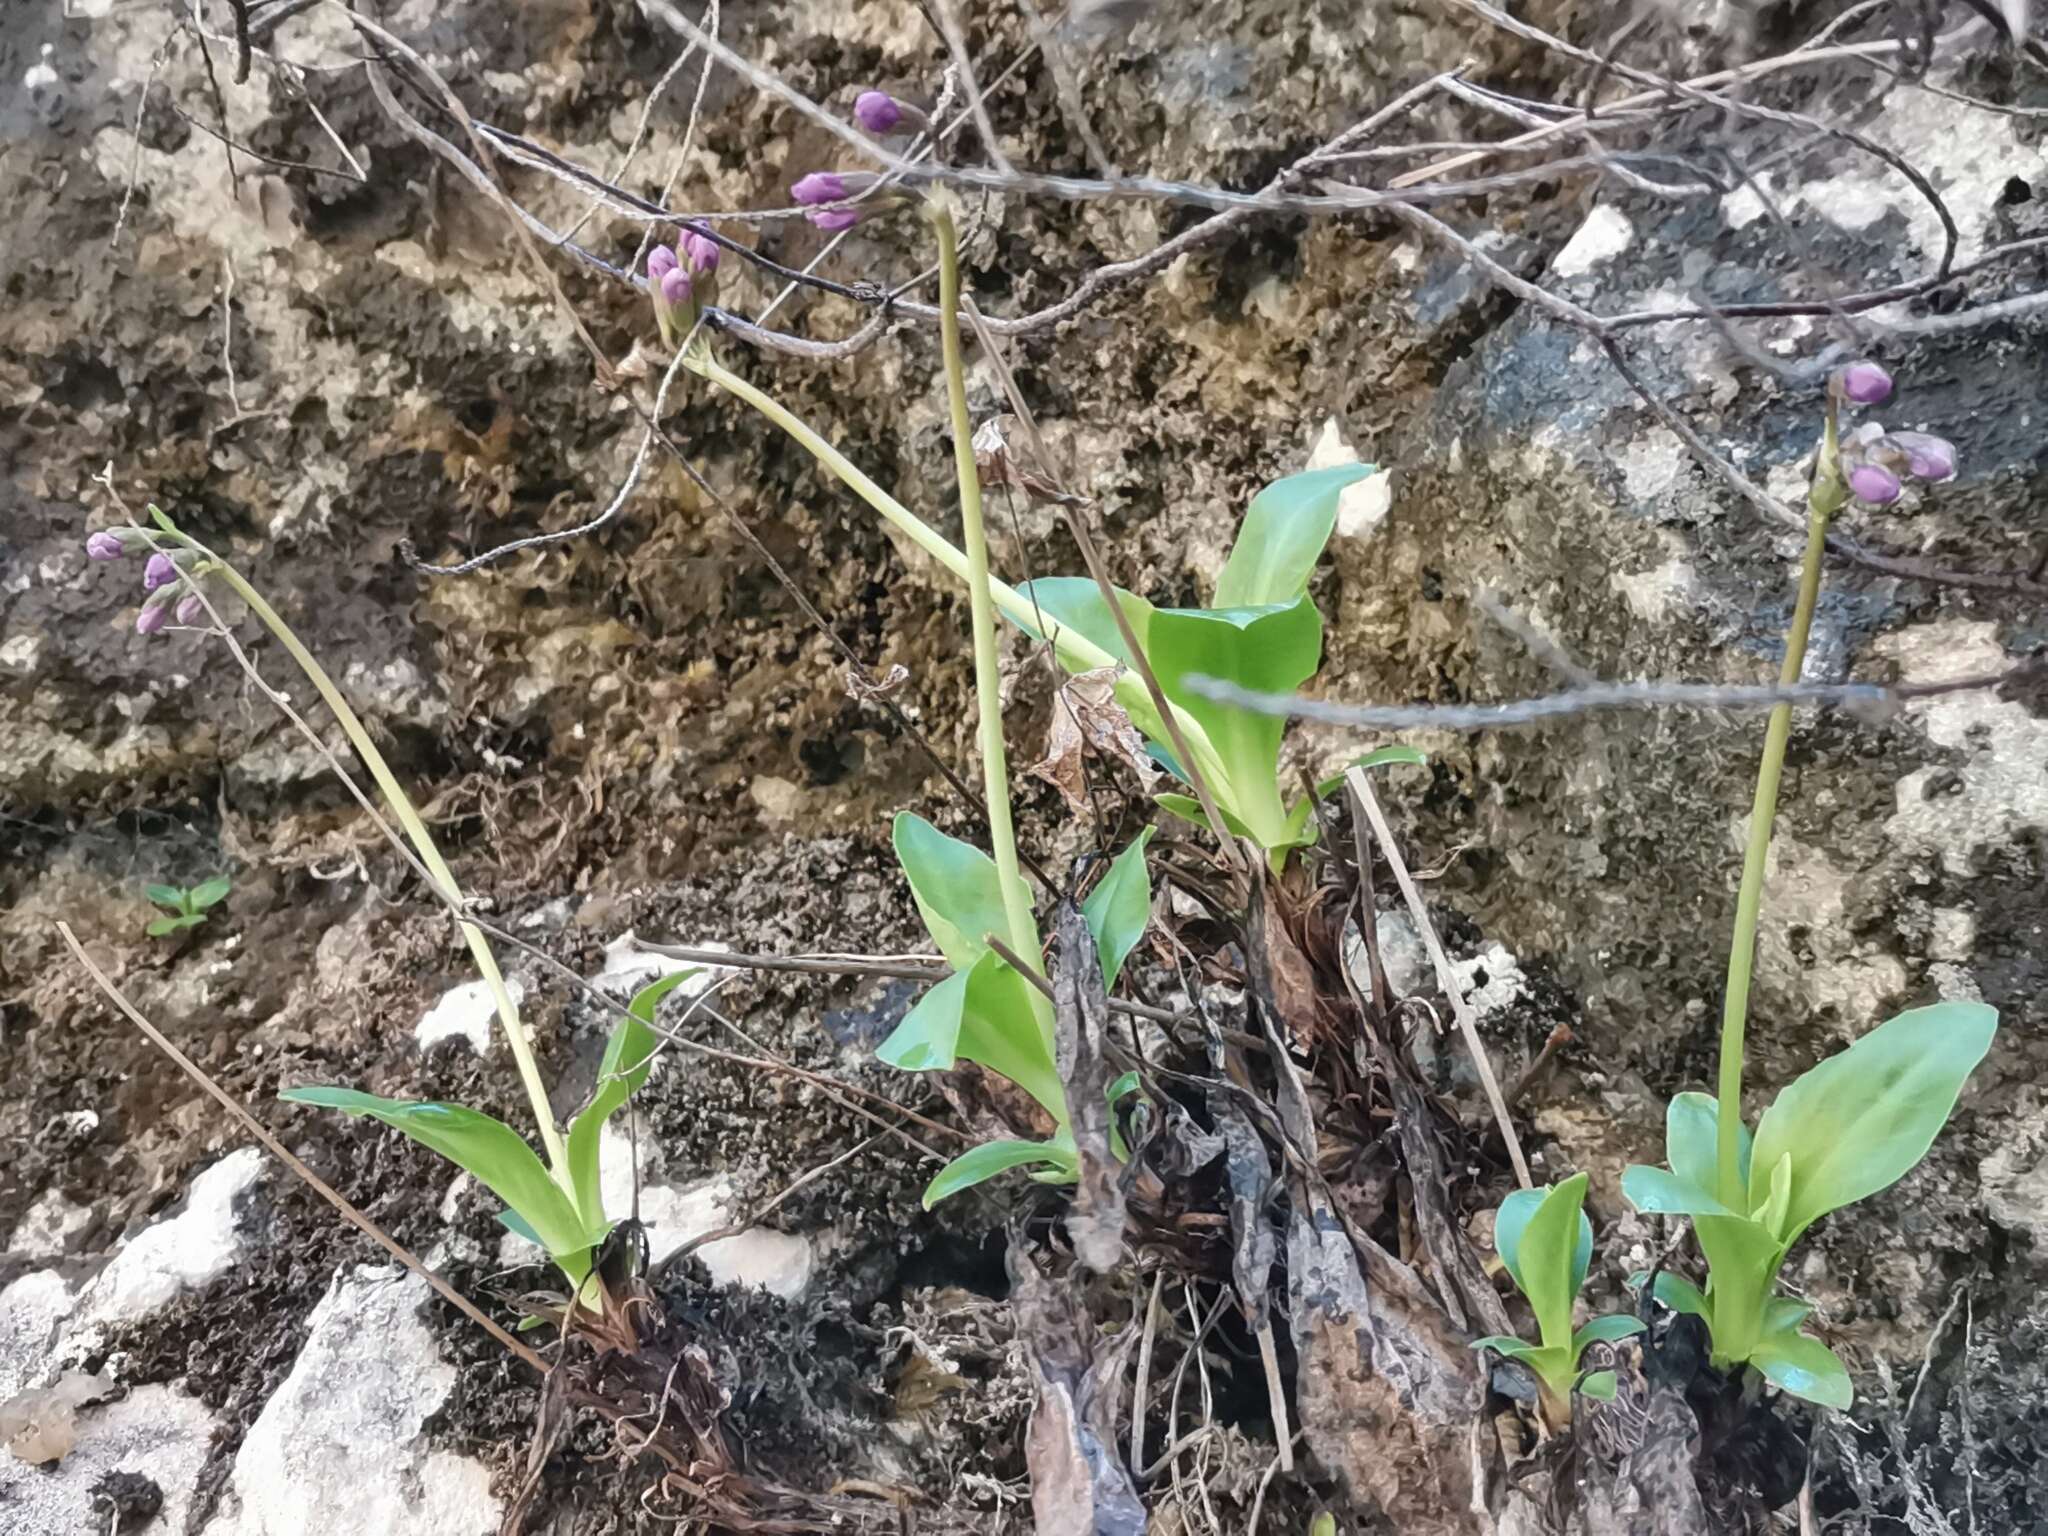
<point>1826,498</point>
<point>416,831</point>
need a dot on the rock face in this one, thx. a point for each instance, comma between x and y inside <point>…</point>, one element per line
<point>308,369</point>
<point>339,1447</point>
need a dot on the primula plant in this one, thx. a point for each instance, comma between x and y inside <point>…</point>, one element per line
<point>1546,1242</point>
<point>556,1203</point>
<point>1859,1121</point>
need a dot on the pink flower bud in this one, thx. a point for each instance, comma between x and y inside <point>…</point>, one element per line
<point>660,262</point>
<point>161,571</point>
<point>830,187</point>
<point>105,546</point>
<point>153,617</point>
<point>191,609</point>
<point>1927,457</point>
<point>675,287</point>
<point>877,111</point>
<point>833,220</point>
<point>1875,484</point>
<point>1866,383</point>
<point>700,253</point>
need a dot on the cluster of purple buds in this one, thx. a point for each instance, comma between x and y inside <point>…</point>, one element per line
<point>822,189</point>
<point>165,576</point>
<point>680,280</point>
<point>1877,463</point>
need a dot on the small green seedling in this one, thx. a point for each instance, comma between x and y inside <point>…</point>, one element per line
<point>1546,1242</point>
<point>985,1012</point>
<point>1854,1125</point>
<point>188,908</point>
<point>569,1223</point>
<point>1264,633</point>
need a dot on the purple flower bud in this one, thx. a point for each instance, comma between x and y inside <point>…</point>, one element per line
<point>1874,483</point>
<point>161,571</point>
<point>105,546</point>
<point>152,618</point>
<point>1866,383</point>
<point>700,253</point>
<point>191,609</point>
<point>660,262</point>
<point>675,287</point>
<point>1927,457</point>
<point>820,187</point>
<point>877,111</point>
<point>833,220</point>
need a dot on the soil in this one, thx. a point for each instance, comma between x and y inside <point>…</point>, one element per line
<point>638,731</point>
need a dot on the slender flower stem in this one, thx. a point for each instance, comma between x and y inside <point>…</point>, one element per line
<point>416,830</point>
<point>988,680</point>
<point>1076,653</point>
<point>1824,501</point>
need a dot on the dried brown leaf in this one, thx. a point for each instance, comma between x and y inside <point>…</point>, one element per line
<point>1081,1017</point>
<point>1085,717</point>
<point>1001,463</point>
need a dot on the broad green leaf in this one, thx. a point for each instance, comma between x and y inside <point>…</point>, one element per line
<point>1547,1258</point>
<point>1860,1120</point>
<point>1119,907</point>
<point>1076,603</point>
<point>518,1225</point>
<point>984,1014</point>
<point>160,926</point>
<point>1681,1295</point>
<point>166,896</point>
<point>958,892</point>
<point>1771,1211</point>
<point>1128,1083</point>
<point>1605,1330</point>
<point>1324,1524</point>
<point>1598,1385</point>
<point>1508,1345</point>
<point>1805,1367</point>
<point>1742,1262</point>
<point>1283,535</point>
<point>1268,650</point>
<point>1189,809</point>
<point>1783,1312</point>
<point>1663,1192</point>
<point>978,1164</point>
<point>209,893</point>
<point>628,1059</point>
<point>1692,1141</point>
<point>1513,1219</point>
<point>489,1149</point>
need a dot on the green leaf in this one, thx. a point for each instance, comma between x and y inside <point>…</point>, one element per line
<point>1805,1367</point>
<point>628,1059</point>
<point>1379,757</point>
<point>209,893</point>
<point>1771,1211</point>
<point>489,1149</point>
<point>958,892</point>
<point>1508,1345</point>
<point>161,926</point>
<point>1785,1312</point>
<point>978,1164</point>
<point>1605,1330</point>
<point>519,1226</point>
<point>166,896</point>
<point>1598,1385</point>
<point>1076,603</point>
<point>1189,809</point>
<point>1860,1120</point>
<point>1692,1141</point>
<point>1119,907</point>
<point>1681,1295</point>
<point>1512,1220</point>
<point>1128,1083</point>
<point>1662,1192</point>
<point>1284,532</point>
<point>1547,1251</point>
<point>984,1014</point>
<point>1742,1262</point>
<point>1268,650</point>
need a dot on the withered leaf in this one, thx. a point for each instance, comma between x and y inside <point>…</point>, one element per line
<point>1086,716</point>
<point>1000,462</point>
<point>1081,1016</point>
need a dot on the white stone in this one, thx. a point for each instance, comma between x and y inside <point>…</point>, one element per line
<point>628,967</point>
<point>1363,506</point>
<point>156,1431</point>
<point>468,1011</point>
<point>338,1449</point>
<point>178,1254</point>
<point>30,1311</point>
<point>1605,235</point>
<point>1410,972</point>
